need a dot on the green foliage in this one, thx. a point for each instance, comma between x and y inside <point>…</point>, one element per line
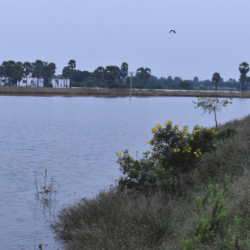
<point>185,85</point>
<point>226,134</point>
<point>112,74</point>
<point>171,165</point>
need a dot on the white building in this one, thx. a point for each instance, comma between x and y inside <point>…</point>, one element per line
<point>32,82</point>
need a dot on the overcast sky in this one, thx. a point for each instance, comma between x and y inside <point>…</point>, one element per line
<point>211,35</point>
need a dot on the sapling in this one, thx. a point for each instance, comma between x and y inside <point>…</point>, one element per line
<point>210,105</point>
<point>49,187</point>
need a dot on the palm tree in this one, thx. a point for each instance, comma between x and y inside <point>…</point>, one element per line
<point>112,73</point>
<point>27,70</point>
<point>243,68</point>
<point>143,74</point>
<point>124,71</point>
<point>99,74</point>
<point>66,73</point>
<point>216,78</point>
<point>72,65</point>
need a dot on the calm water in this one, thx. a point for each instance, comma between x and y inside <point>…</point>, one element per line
<point>75,139</point>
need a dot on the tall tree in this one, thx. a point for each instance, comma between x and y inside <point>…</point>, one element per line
<point>143,74</point>
<point>8,68</point>
<point>46,75</point>
<point>99,74</point>
<point>27,68</point>
<point>216,78</point>
<point>52,70</point>
<point>38,70</point>
<point>196,79</point>
<point>243,68</point>
<point>112,74</point>
<point>72,65</point>
<point>124,71</point>
<point>17,74</point>
<point>66,73</point>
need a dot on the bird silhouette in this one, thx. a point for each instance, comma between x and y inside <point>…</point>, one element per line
<point>172,30</point>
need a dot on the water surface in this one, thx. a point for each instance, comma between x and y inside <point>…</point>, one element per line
<point>75,139</point>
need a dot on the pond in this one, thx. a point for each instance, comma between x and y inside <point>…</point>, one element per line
<point>76,139</point>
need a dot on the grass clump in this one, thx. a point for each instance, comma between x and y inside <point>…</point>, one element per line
<point>210,210</point>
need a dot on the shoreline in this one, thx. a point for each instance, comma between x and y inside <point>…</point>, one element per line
<point>41,91</point>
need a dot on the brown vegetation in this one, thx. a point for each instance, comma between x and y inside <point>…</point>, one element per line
<point>34,91</point>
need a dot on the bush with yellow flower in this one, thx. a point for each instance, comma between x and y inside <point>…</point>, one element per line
<point>171,163</point>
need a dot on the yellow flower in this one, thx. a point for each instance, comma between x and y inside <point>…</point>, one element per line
<point>196,131</point>
<point>158,126</point>
<point>118,154</point>
<point>191,138</point>
<point>132,157</point>
<point>149,142</point>
<point>144,153</point>
<point>163,169</point>
<point>153,129</point>
<point>175,150</point>
<point>168,122</point>
<point>176,126</point>
<point>185,138</point>
<point>178,150</point>
<point>197,156</point>
<point>179,132</point>
<point>195,152</point>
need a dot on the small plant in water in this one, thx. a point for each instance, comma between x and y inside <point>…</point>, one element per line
<point>48,189</point>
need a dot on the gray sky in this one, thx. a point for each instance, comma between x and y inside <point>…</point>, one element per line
<point>211,35</point>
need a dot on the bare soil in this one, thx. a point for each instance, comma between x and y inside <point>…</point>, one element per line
<point>34,91</point>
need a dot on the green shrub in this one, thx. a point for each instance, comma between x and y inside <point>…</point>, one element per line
<point>171,164</point>
<point>226,134</point>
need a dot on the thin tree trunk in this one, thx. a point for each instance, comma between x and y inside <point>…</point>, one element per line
<point>215,119</point>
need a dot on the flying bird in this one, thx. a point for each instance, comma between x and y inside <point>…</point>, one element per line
<point>172,30</point>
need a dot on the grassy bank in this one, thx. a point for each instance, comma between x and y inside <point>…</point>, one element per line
<point>33,91</point>
<point>131,220</point>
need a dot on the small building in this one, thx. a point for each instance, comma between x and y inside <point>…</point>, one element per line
<point>57,82</point>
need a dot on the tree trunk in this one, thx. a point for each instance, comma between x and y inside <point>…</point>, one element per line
<point>215,119</point>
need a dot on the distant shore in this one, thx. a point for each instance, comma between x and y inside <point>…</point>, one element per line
<point>34,91</point>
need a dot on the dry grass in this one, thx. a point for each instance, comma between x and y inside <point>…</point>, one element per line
<point>117,220</point>
<point>34,91</point>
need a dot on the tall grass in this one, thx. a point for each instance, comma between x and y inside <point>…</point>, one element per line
<point>130,220</point>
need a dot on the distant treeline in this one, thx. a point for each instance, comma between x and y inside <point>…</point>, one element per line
<point>88,79</point>
<point>115,77</point>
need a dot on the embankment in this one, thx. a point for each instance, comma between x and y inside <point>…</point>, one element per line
<point>33,91</point>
